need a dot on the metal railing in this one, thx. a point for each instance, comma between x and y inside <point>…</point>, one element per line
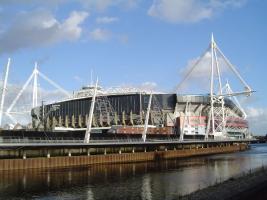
<point>72,140</point>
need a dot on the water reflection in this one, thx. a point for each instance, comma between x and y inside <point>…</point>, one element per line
<point>144,181</point>
<point>90,195</point>
<point>146,188</point>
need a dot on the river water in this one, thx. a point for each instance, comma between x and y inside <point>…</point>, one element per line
<point>145,181</point>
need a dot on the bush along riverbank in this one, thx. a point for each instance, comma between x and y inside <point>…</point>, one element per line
<point>250,185</point>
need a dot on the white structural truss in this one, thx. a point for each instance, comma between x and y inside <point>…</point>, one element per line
<point>185,117</point>
<point>147,117</point>
<point>91,113</point>
<point>217,116</point>
<point>4,88</point>
<point>228,90</point>
<point>35,87</point>
<point>33,77</point>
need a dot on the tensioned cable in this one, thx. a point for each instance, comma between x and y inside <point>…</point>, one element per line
<point>234,70</point>
<point>192,69</point>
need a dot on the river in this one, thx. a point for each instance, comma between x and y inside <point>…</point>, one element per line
<point>145,181</point>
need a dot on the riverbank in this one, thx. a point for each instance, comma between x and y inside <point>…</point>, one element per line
<point>252,185</point>
<point>76,157</point>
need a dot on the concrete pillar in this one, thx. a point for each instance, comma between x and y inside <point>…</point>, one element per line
<point>48,123</point>
<point>115,118</point>
<point>133,150</point>
<point>69,154</point>
<point>66,121</point>
<point>48,154</point>
<point>120,151</point>
<point>86,120</point>
<point>131,118</point>
<point>105,151</point>
<point>73,121</point>
<point>108,119</point>
<point>151,118</point>
<point>141,117</point>
<point>123,118</point>
<point>80,121</point>
<point>54,122</point>
<point>101,120</point>
<point>60,121</point>
<point>88,152</point>
<point>94,123</point>
<point>24,155</point>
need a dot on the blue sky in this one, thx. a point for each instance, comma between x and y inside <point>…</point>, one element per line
<point>134,42</point>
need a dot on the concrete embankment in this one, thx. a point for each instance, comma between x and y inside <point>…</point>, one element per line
<point>121,157</point>
<point>252,185</point>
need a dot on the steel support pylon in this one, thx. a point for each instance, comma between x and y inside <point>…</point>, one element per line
<point>4,91</point>
<point>91,113</point>
<point>147,117</point>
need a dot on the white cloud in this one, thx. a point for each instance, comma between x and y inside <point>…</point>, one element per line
<point>255,112</point>
<point>100,34</point>
<point>203,68</point>
<point>124,39</point>
<point>38,28</point>
<point>78,78</point>
<point>32,2</point>
<point>92,5</point>
<point>102,5</point>
<point>106,20</point>
<point>179,11</point>
<point>189,11</point>
<point>150,86</point>
<point>103,35</point>
<point>257,118</point>
<point>227,3</point>
<point>99,5</point>
<point>198,74</point>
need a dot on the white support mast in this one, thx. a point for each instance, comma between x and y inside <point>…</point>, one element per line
<point>185,117</point>
<point>33,77</point>
<point>208,127</point>
<point>4,91</point>
<point>90,118</point>
<point>220,99</point>
<point>35,87</point>
<point>212,86</point>
<point>147,118</point>
<point>217,116</point>
<point>230,91</point>
<point>20,93</point>
<point>218,112</point>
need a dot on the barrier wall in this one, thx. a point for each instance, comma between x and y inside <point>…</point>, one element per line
<point>70,161</point>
